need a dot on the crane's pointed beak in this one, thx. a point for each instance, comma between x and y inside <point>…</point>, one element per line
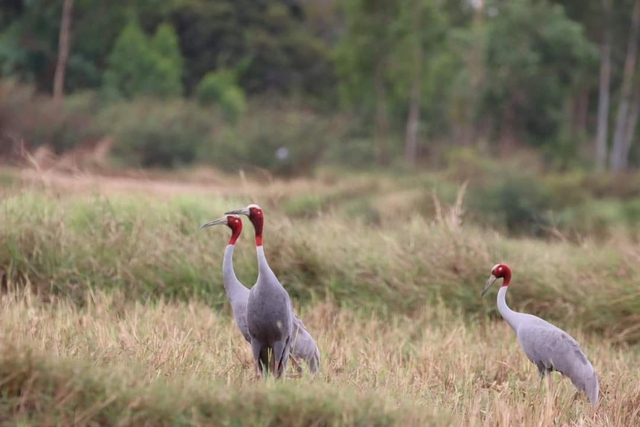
<point>218,221</point>
<point>488,285</point>
<point>243,211</point>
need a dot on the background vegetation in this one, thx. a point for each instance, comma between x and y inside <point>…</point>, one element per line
<point>358,83</point>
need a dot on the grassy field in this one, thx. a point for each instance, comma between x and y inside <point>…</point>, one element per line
<point>114,312</point>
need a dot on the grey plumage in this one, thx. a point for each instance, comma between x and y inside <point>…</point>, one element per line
<point>304,347</point>
<point>547,346</point>
<point>269,320</point>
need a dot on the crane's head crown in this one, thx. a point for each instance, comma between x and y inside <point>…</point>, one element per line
<point>234,222</point>
<point>499,271</point>
<point>253,211</point>
<point>256,216</point>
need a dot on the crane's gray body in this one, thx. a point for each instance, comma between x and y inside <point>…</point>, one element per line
<point>269,319</point>
<point>551,349</point>
<point>304,347</point>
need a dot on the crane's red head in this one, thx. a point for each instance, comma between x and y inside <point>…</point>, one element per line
<point>499,271</point>
<point>256,216</point>
<point>232,221</point>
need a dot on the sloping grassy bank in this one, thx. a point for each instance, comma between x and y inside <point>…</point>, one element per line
<point>42,391</point>
<point>148,247</point>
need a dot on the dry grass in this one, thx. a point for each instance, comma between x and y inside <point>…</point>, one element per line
<point>434,364</point>
<point>113,313</point>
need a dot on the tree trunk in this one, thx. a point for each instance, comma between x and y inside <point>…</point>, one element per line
<point>578,112</point>
<point>413,120</point>
<point>63,51</point>
<point>619,139</point>
<point>603,95</point>
<point>631,126</point>
<point>382,121</point>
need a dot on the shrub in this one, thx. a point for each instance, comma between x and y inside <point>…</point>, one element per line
<point>148,133</point>
<point>34,120</point>
<point>284,141</point>
<point>517,202</point>
<point>221,88</point>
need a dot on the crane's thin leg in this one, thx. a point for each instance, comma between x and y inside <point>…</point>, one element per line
<point>541,374</point>
<point>550,385</point>
<point>285,356</point>
<point>264,358</point>
<point>278,350</point>
<point>256,350</point>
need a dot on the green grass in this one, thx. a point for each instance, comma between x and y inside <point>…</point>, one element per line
<point>150,247</point>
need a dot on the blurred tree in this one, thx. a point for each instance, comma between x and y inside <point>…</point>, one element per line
<point>421,28</point>
<point>265,41</point>
<point>363,57</point>
<point>534,59</point>
<point>618,160</point>
<point>139,66</point>
<point>166,43</point>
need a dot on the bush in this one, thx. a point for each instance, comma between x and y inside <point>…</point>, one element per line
<point>221,88</point>
<point>517,202</point>
<point>148,133</point>
<point>284,141</point>
<point>35,120</point>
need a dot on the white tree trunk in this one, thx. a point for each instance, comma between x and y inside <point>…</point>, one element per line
<point>603,95</point>
<point>63,51</point>
<point>619,138</point>
<point>631,126</point>
<point>413,120</point>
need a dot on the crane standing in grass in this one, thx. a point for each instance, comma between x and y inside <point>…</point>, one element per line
<point>304,347</point>
<point>547,346</point>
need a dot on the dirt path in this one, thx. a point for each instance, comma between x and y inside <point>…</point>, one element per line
<point>203,182</point>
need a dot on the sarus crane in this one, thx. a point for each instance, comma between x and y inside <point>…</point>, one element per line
<point>304,347</point>
<point>269,310</point>
<point>547,346</point>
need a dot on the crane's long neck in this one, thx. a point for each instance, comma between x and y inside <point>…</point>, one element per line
<point>232,285</point>
<point>507,314</point>
<point>263,266</point>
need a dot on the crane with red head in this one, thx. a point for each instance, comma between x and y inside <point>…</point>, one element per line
<point>270,320</point>
<point>304,346</point>
<point>547,346</point>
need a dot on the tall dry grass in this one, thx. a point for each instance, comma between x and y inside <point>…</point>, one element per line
<point>434,369</point>
<point>149,247</point>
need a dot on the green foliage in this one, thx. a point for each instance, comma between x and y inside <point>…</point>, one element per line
<point>118,243</point>
<point>221,88</point>
<point>265,40</point>
<point>151,134</point>
<point>532,53</point>
<point>517,201</point>
<point>138,66</point>
<point>285,141</point>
